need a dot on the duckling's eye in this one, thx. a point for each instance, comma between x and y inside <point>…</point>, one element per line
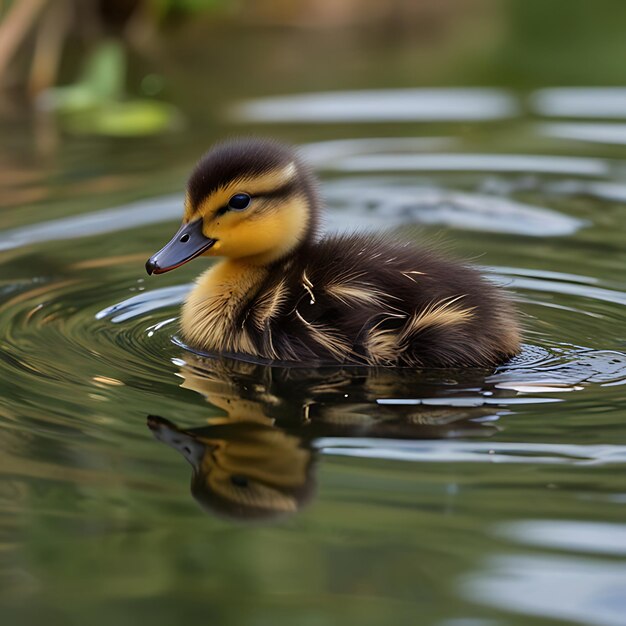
<point>239,202</point>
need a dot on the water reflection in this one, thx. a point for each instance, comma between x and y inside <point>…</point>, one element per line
<point>593,102</point>
<point>574,536</point>
<point>243,469</point>
<point>589,132</point>
<point>574,590</point>
<point>540,164</point>
<point>381,105</point>
<point>257,460</point>
<point>390,202</point>
<point>320,153</point>
<point>97,223</point>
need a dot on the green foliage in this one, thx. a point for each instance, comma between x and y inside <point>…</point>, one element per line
<point>95,104</point>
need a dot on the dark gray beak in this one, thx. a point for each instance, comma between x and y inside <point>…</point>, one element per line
<point>186,244</point>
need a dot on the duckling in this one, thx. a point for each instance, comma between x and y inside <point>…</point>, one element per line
<point>282,293</point>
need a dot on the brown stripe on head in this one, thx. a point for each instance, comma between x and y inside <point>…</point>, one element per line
<point>236,160</point>
<point>265,188</point>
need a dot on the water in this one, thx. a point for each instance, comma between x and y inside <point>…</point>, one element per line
<point>142,481</point>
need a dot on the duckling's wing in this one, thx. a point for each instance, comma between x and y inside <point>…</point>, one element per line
<point>376,300</point>
<point>403,303</point>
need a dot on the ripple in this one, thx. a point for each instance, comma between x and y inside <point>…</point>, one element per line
<point>321,153</point>
<point>573,166</point>
<point>596,133</point>
<point>131,215</point>
<point>78,349</point>
<point>557,373</point>
<point>598,102</point>
<point>595,293</point>
<point>474,451</point>
<point>396,202</point>
<point>389,105</point>
<point>144,303</point>
<point>540,281</point>
<point>584,591</point>
<point>578,536</point>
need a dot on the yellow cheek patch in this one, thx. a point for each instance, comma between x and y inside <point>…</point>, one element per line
<point>262,237</point>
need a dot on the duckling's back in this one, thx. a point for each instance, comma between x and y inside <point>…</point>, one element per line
<point>373,300</point>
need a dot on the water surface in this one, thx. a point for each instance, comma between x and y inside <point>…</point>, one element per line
<point>142,481</point>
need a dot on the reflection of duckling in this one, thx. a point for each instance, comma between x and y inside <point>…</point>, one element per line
<point>242,469</point>
<point>338,401</point>
<point>257,459</point>
<point>284,295</point>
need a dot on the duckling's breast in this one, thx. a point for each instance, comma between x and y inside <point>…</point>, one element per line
<point>211,312</point>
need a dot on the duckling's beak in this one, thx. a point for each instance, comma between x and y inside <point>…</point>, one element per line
<point>186,244</point>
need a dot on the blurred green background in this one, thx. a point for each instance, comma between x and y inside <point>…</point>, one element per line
<point>136,67</point>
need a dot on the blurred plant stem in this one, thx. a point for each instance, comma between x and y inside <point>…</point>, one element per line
<point>49,47</point>
<point>15,27</point>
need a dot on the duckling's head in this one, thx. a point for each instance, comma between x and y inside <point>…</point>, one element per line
<point>249,199</point>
